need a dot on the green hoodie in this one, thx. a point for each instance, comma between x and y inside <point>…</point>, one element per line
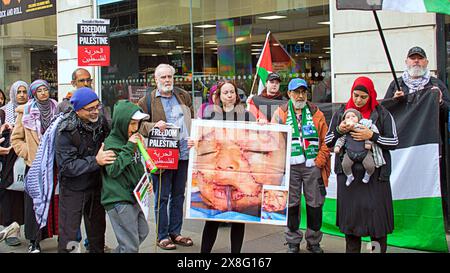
<point>121,177</point>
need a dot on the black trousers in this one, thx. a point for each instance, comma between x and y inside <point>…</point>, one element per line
<point>210,234</point>
<point>353,243</point>
<point>76,204</point>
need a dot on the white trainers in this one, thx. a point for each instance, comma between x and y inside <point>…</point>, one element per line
<point>366,178</point>
<point>350,179</point>
<point>11,229</point>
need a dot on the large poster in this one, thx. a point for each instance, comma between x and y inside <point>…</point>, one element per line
<point>239,172</point>
<point>19,10</point>
<point>93,42</point>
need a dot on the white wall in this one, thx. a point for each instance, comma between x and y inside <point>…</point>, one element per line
<point>69,14</point>
<point>357,49</point>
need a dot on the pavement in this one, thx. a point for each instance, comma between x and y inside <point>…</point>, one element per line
<point>258,238</point>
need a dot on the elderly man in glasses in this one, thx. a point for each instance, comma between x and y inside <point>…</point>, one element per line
<point>79,156</point>
<point>80,78</point>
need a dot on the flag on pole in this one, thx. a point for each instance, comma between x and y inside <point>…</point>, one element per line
<point>273,58</point>
<point>415,177</point>
<point>437,6</point>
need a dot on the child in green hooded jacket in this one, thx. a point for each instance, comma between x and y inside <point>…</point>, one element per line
<point>121,177</point>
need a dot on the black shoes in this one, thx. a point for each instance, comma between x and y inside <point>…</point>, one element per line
<point>293,248</point>
<point>314,248</point>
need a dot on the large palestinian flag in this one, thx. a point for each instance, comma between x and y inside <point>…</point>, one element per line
<point>438,6</point>
<point>418,214</point>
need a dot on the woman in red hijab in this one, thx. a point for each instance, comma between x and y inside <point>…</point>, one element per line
<point>364,209</point>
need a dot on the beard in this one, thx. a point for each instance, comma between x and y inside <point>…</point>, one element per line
<point>93,120</point>
<point>299,104</point>
<point>416,71</point>
<point>163,88</point>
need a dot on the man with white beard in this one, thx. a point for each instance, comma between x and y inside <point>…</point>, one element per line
<point>169,105</point>
<point>417,77</point>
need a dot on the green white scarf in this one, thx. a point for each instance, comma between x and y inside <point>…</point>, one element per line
<point>305,146</point>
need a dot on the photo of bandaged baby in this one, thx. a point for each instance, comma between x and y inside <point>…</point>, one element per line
<point>230,167</point>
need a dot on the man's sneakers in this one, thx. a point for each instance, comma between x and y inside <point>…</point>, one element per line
<point>34,248</point>
<point>9,230</point>
<point>314,248</point>
<point>293,248</point>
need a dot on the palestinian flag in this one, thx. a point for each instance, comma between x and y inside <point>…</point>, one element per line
<point>438,6</point>
<point>273,58</point>
<point>418,213</point>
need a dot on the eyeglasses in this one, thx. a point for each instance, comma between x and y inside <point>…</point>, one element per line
<point>85,80</point>
<point>93,108</point>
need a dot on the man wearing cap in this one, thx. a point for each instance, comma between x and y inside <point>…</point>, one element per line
<point>79,157</point>
<point>121,177</point>
<point>310,165</point>
<point>263,105</point>
<point>417,77</point>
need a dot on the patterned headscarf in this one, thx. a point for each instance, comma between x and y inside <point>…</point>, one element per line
<point>10,108</point>
<point>35,85</point>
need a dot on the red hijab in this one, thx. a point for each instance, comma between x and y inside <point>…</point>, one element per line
<point>366,85</point>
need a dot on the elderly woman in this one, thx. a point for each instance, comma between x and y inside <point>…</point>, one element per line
<point>365,209</point>
<point>32,121</point>
<point>11,199</point>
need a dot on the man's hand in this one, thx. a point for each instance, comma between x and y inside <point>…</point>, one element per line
<point>161,125</point>
<point>363,133</point>
<point>398,93</point>
<point>105,157</point>
<point>440,93</point>
<point>135,137</point>
<point>6,127</point>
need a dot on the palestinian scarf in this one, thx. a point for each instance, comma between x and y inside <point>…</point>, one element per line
<point>369,88</point>
<point>416,84</point>
<point>10,108</point>
<point>305,143</point>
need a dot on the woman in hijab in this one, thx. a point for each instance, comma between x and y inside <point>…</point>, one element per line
<point>12,198</point>
<point>32,121</point>
<point>365,209</point>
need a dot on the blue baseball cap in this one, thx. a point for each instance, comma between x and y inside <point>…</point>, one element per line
<point>83,97</point>
<point>296,83</point>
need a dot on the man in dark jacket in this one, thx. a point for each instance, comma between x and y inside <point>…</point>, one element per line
<point>79,157</point>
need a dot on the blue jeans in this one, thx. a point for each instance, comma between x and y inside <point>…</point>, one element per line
<point>173,184</point>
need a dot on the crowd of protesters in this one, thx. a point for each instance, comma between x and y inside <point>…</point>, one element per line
<point>81,164</point>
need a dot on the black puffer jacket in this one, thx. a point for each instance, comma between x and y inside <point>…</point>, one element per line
<point>76,148</point>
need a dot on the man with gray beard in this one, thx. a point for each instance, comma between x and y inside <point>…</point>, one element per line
<point>169,105</point>
<point>417,77</point>
<point>79,158</point>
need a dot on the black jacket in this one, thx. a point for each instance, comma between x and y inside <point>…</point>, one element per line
<point>75,153</point>
<point>387,138</point>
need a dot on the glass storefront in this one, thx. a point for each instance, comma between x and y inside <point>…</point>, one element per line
<point>28,52</point>
<point>228,36</point>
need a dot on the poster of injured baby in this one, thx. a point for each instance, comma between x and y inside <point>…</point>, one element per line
<point>239,172</point>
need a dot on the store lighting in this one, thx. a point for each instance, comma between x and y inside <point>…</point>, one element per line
<point>152,32</point>
<point>213,48</point>
<point>326,48</point>
<point>276,44</point>
<point>179,47</point>
<point>320,57</point>
<point>272,17</point>
<point>186,51</point>
<point>211,43</point>
<point>165,41</point>
<point>324,23</point>
<point>154,55</point>
<point>300,42</point>
<point>170,53</point>
<point>255,53</point>
<point>257,45</point>
<point>205,26</point>
<point>240,39</point>
<point>31,49</point>
<point>327,52</point>
<point>256,49</point>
